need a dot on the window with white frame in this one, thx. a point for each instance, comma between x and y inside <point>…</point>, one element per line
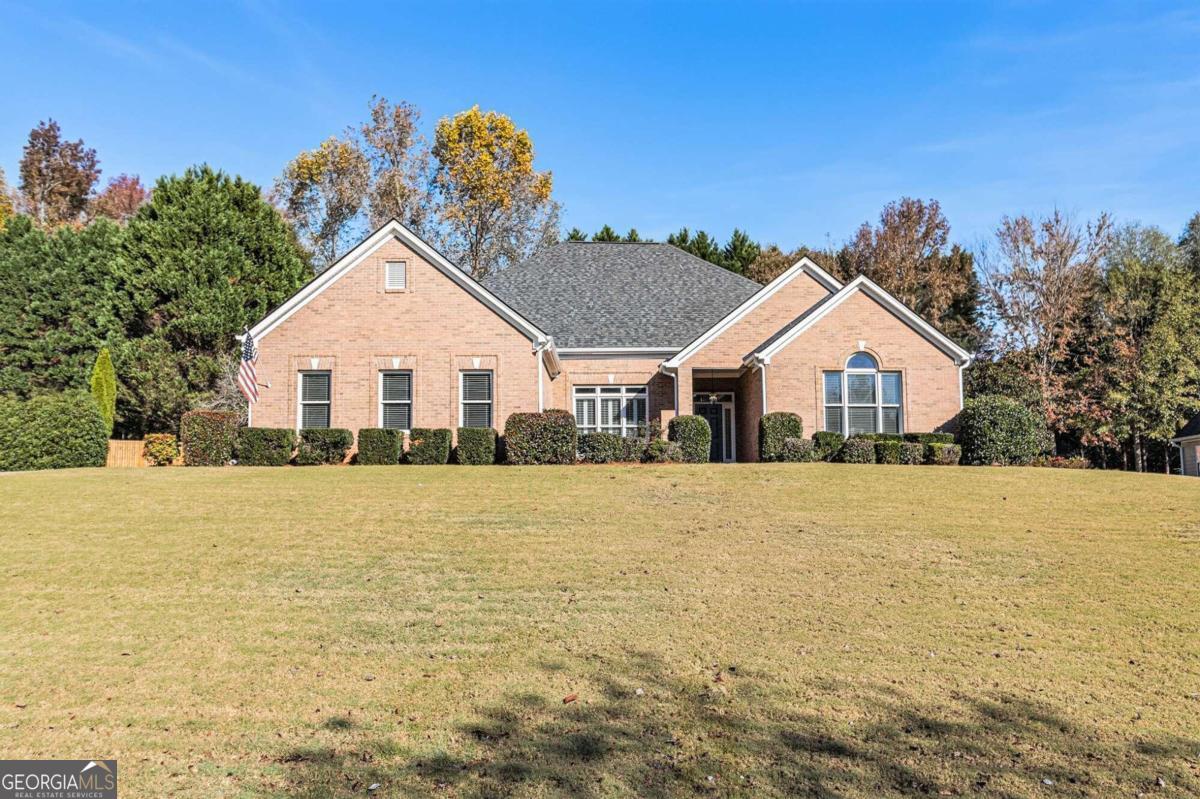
<point>620,410</point>
<point>395,400</point>
<point>395,275</point>
<point>315,395</point>
<point>475,399</point>
<point>862,399</point>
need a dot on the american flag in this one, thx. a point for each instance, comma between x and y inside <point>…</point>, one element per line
<point>247,378</point>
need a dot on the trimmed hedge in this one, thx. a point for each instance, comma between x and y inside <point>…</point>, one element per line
<point>208,437</point>
<point>323,446</point>
<point>798,450</point>
<point>476,446</point>
<point>943,454</point>
<point>265,446</point>
<point>1061,462</point>
<point>53,431</point>
<point>160,449</point>
<point>912,453</point>
<point>827,445</point>
<point>693,435</point>
<point>998,430</point>
<point>857,450</point>
<point>540,438</point>
<point>887,451</point>
<point>429,446</point>
<point>880,436</point>
<point>660,451</point>
<point>773,430</point>
<point>378,446</point>
<point>929,438</point>
<point>601,448</point>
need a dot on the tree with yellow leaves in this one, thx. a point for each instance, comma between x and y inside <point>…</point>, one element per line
<point>322,192</point>
<point>495,208</point>
<point>6,202</point>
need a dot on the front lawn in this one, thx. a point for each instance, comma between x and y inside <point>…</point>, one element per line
<point>820,630</point>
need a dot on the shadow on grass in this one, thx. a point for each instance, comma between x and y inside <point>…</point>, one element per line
<point>640,731</point>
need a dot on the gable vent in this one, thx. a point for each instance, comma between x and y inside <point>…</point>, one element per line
<point>395,275</point>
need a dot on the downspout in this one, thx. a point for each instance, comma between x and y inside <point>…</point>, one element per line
<point>763,369</point>
<point>538,349</point>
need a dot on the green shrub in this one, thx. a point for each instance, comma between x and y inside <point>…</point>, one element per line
<point>539,438</point>
<point>660,451</point>
<point>52,431</point>
<point>880,436</point>
<point>207,437</point>
<point>476,446</point>
<point>912,453</point>
<point>857,449</point>
<point>773,430</point>
<point>378,446</point>
<point>429,446</point>
<point>999,430</point>
<point>693,435</point>
<point>160,449</point>
<point>827,445</point>
<point>798,450</point>
<point>943,454</point>
<point>1061,462</point>
<point>323,446</point>
<point>601,448</point>
<point>929,438</point>
<point>104,387</point>
<point>264,446</point>
<point>886,451</point>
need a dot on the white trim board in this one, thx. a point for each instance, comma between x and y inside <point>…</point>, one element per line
<point>616,352</point>
<point>803,266</point>
<point>365,248</point>
<point>900,310</point>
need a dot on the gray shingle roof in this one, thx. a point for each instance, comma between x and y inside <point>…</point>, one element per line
<point>1192,428</point>
<point>618,294</point>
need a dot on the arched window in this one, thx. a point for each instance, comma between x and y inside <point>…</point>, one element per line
<point>862,399</point>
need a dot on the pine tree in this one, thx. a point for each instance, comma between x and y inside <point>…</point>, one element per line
<point>104,387</point>
<point>575,234</point>
<point>632,236</point>
<point>739,252</point>
<point>606,233</point>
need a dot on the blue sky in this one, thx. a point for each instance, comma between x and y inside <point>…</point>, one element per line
<point>793,121</point>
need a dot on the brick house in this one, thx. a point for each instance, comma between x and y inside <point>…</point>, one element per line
<point>394,335</point>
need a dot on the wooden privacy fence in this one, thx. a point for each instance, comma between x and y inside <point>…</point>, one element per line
<point>125,453</point>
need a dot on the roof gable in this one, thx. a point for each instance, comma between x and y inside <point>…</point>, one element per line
<point>1189,430</point>
<point>861,284</point>
<point>388,231</point>
<point>805,266</point>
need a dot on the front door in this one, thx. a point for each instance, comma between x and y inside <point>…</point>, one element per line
<point>719,416</point>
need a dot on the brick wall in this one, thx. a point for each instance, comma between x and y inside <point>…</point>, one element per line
<point>615,372</point>
<point>355,329</point>
<point>930,378</point>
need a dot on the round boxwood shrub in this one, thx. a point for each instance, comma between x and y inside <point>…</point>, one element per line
<point>998,430</point>
<point>264,446</point>
<point>323,446</point>
<point>857,449</point>
<point>208,437</point>
<point>827,445</point>
<point>378,446</point>
<point>887,451</point>
<point>429,446</point>
<point>798,450</point>
<point>942,454</point>
<point>660,451</point>
<point>693,435</point>
<point>53,431</point>
<point>773,430</point>
<point>160,449</point>
<point>601,448</point>
<point>476,446</point>
<point>912,453</point>
<point>540,438</point>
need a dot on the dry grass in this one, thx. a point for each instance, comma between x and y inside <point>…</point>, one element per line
<point>740,631</point>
